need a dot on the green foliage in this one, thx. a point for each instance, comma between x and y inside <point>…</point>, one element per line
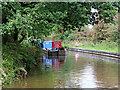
<point>39,19</point>
<point>109,46</point>
<point>25,43</point>
<point>103,37</point>
<point>17,60</point>
<point>71,37</point>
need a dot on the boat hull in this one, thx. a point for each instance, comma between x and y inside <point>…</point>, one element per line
<point>54,53</point>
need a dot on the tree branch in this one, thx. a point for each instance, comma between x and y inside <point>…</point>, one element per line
<point>23,36</point>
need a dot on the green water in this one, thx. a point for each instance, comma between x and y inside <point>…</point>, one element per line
<point>76,70</point>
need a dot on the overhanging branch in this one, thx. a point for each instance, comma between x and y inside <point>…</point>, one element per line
<point>23,36</point>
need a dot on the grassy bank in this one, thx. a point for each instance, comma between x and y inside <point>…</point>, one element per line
<point>103,46</point>
<point>106,37</point>
<point>17,60</point>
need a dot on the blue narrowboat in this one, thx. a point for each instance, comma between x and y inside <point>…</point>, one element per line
<point>47,48</point>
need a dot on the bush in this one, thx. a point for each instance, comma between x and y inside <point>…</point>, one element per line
<point>17,60</point>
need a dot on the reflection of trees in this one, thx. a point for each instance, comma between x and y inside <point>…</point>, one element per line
<point>38,79</point>
<point>106,73</point>
<point>72,71</point>
<point>88,79</point>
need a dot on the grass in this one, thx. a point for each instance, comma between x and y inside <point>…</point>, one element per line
<point>104,46</point>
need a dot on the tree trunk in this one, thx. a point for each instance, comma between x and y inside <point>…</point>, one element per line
<point>15,37</point>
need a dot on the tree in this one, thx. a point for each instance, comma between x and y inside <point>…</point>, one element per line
<point>39,18</point>
<point>16,22</point>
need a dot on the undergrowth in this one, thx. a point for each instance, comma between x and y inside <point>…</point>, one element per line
<point>17,60</point>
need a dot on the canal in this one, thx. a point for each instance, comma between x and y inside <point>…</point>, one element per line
<point>76,70</point>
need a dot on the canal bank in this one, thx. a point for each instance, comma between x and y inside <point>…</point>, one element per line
<point>17,60</point>
<point>115,56</point>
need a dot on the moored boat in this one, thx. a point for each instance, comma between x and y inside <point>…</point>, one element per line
<point>51,48</point>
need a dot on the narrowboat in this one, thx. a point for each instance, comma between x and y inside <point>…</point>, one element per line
<point>53,48</point>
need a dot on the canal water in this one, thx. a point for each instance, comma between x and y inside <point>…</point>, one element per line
<point>76,70</point>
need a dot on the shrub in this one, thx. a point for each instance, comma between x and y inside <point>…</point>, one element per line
<point>17,60</point>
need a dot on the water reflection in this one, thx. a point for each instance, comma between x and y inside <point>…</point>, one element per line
<point>76,56</point>
<point>88,79</point>
<point>77,70</point>
<point>53,63</point>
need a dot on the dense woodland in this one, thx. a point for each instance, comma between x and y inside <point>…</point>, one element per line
<point>65,21</point>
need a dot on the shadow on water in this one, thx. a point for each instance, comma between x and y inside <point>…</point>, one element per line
<point>76,70</point>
